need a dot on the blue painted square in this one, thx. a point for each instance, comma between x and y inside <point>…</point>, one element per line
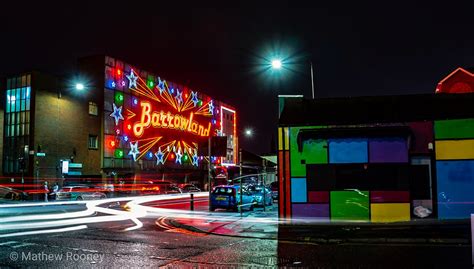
<point>455,189</point>
<point>348,150</point>
<point>298,190</point>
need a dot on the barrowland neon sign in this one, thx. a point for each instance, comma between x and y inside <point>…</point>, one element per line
<point>151,133</point>
<point>168,120</point>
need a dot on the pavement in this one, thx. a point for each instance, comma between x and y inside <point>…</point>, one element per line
<point>257,224</point>
<point>174,237</point>
<point>265,225</point>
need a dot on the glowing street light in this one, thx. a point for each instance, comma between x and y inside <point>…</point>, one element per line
<point>276,64</point>
<point>248,132</point>
<point>79,86</point>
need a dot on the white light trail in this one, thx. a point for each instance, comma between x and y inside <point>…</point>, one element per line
<point>62,230</point>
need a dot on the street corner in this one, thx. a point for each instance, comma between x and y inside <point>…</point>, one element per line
<point>203,226</point>
<point>236,228</point>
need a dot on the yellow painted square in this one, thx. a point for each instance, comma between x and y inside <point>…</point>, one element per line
<point>455,149</point>
<point>280,139</point>
<point>389,212</point>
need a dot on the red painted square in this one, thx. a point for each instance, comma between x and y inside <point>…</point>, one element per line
<point>318,197</point>
<point>390,196</point>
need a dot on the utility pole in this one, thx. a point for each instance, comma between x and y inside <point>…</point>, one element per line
<point>312,79</point>
<point>209,171</point>
<point>240,174</point>
<point>264,174</point>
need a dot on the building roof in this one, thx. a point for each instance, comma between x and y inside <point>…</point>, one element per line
<point>470,69</point>
<point>378,109</point>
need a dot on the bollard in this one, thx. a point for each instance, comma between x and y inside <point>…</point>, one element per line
<point>192,202</point>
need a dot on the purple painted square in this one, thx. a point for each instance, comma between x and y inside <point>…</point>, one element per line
<point>388,150</point>
<point>310,210</point>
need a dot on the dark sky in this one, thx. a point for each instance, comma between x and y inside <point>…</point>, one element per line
<point>356,49</point>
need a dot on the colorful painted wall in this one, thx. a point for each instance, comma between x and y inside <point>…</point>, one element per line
<point>455,167</point>
<point>379,176</point>
<point>359,177</point>
<point>377,173</point>
<point>378,158</point>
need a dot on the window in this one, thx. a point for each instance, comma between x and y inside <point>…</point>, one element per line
<point>16,122</point>
<point>93,142</point>
<point>93,109</point>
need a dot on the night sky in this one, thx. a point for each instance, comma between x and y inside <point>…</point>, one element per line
<point>356,49</point>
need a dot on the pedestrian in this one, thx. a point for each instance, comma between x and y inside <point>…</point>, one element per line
<point>46,191</point>
<point>55,191</point>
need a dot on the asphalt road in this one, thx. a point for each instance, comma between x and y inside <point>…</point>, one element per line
<point>157,243</point>
<point>105,245</point>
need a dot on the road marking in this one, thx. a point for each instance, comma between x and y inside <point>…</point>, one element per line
<point>24,245</point>
<point>67,229</point>
<point>8,243</point>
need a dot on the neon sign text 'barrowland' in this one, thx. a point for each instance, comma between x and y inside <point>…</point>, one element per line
<point>167,120</point>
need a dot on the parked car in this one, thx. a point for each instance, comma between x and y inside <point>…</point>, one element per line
<point>148,188</point>
<point>79,192</point>
<point>153,187</point>
<point>167,187</point>
<point>274,189</point>
<point>107,188</point>
<point>189,188</point>
<point>259,192</point>
<point>7,193</point>
<point>228,197</point>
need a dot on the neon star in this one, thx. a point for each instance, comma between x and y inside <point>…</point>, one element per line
<point>161,85</point>
<point>159,157</point>
<point>194,98</point>
<point>211,108</point>
<point>179,96</point>
<point>195,159</point>
<point>132,80</point>
<point>134,150</point>
<point>117,114</point>
<point>178,156</point>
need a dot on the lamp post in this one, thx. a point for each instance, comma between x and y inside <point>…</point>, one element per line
<point>277,64</point>
<point>68,86</point>
<point>241,183</point>
<point>248,133</point>
<point>209,171</point>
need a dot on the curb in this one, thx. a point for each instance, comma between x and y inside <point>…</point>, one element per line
<point>332,241</point>
<point>177,224</point>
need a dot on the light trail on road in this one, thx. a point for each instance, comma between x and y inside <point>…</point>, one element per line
<point>135,209</point>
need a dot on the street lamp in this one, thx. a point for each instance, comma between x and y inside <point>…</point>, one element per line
<point>67,86</point>
<point>248,132</point>
<point>277,64</point>
<point>79,86</point>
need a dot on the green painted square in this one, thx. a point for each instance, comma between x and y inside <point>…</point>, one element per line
<point>314,152</point>
<point>454,129</point>
<point>350,205</point>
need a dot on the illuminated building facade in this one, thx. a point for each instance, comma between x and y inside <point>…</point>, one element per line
<point>127,122</point>
<point>151,123</point>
